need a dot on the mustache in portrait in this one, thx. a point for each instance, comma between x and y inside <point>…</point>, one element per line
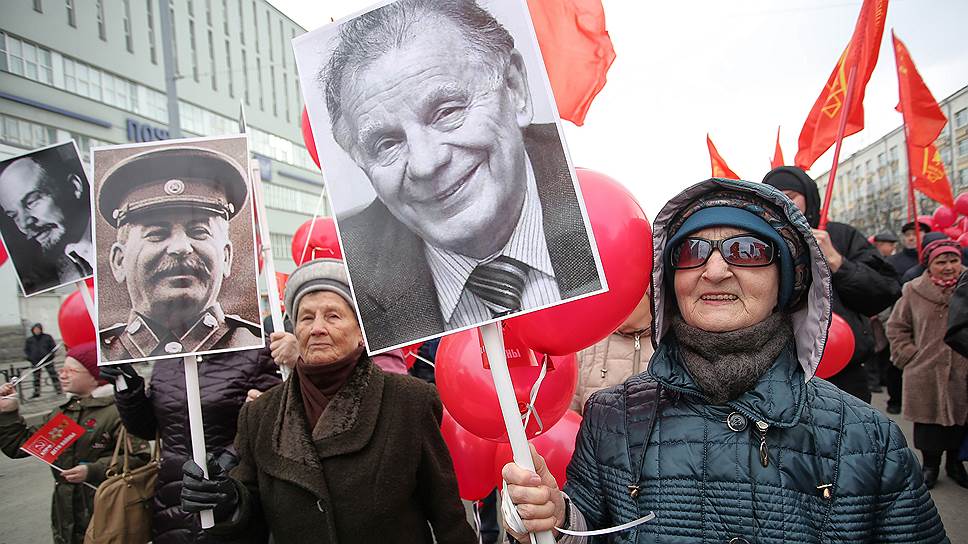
<point>191,265</point>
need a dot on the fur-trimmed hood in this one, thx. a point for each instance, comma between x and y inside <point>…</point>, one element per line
<point>810,322</point>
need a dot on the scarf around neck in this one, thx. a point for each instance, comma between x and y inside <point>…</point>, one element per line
<point>318,384</point>
<point>727,364</point>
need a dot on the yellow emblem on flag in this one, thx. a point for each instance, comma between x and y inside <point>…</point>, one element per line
<point>837,91</point>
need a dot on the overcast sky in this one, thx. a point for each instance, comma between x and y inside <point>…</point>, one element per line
<point>735,69</point>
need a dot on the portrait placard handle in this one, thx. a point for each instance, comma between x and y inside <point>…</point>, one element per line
<point>196,428</point>
<point>497,358</point>
<point>269,266</point>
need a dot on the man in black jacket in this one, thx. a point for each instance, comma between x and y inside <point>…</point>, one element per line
<point>37,346</point>
<point>903,260</point>
<point>863,282</point>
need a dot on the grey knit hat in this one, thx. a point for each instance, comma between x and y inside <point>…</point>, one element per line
<point>317,275</point>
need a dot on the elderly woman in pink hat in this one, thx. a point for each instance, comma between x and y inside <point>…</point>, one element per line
<point>935,376</point>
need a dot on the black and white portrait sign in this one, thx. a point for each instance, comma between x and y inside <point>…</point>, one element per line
<point>176,269</point>
<point>46,224</point>
<point>441,149</point>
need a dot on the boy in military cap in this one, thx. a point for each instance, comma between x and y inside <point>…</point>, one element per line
<point>172,209</point>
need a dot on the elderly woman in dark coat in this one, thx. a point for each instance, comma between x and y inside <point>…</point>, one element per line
<point>935,376</point>
<point>729,437</point>
<point>340,452</point>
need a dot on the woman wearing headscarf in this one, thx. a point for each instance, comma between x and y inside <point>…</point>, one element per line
<point>935,376</point>
<point>341,451</point>
<point>82,464</point>
<point>729,437</point>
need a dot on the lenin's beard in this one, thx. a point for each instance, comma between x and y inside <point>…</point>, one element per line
<point>188,286</point>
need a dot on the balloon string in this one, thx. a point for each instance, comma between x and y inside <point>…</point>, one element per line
<point>529,408</point>
<point>40,364</point>
<point>513,519</point>
<point>312,225</point>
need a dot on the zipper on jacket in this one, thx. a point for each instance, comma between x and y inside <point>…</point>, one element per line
<point>761,428</point>
<point>637,356</point>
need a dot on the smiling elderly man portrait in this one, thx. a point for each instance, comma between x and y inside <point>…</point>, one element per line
<point>45,196</point>
<point>476,213</point>
<point>172,209</point>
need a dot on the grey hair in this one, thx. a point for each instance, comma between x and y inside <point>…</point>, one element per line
<point>366,38</point>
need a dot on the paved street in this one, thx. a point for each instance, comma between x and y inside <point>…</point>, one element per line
<point>27,484</point>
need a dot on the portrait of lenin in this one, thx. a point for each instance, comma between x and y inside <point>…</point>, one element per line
<point>476,214</point>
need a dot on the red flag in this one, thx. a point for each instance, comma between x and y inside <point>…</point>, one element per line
<point>923,122</point>
<point>777,152</point>
<point>820,129</point>
<point>720,169</point>
<point>53,438</point>
<point>576,49</point>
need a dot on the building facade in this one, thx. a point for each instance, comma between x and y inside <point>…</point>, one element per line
<point>871,191</point>
<point>93,71</point>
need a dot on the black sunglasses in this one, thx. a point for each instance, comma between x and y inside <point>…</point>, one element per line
<point>744,250</point>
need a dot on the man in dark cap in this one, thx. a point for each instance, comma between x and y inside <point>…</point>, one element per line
<point>886,243</point>
<point>864,284</point>
<point>39,345</point>
<point>903,260</point>
<point>172,209</point>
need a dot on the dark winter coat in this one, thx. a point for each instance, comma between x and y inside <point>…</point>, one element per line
<point>935,376</point>
<point>38,346</point>
<point>374,469</point>
<point>903,260</point>
<point>73,504</point>
<point>837,469</point>
<point>225,379</point>
<point>957,334</point>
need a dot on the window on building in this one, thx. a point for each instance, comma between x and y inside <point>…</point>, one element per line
<point>101,29</point>
<point>272,48</point>
<point>85,143</point>
<point>25,59</point>
<point>174,37</point>
<point>892,154</point>
<point>961,117</point>
<point>868,169</point>
<point>152,52</point>
<point>293,200</point>
<point>241,25</point>
<point>208,12</point>
<point>283,49</point>
<point>281,244</point>
<point>225,17</point>
<point>881,159</point>
<point>211,61</point>
<point>963,147</point>
<point>39,6</point>
<point>963,176</point>
<point>190,4</point>
<point>258,75</point>
<point>255,24</point>
<point>228,68</point>
<point>128,41</point>
<point>25,134</point>
<point>71,13</point>
<point>193,48</point>
<point>272,89</point>
<point>285,90</point>
<point>946,154</point>
<point>245,77</point>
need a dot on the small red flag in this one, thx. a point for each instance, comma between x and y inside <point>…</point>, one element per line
<point>576,49</point>
<point>923,122</point>
<point>820,129</point>
<point>720,169</point>
<point>777,152</point>
<point>53,438</point>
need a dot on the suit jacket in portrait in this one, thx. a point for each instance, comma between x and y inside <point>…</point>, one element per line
<point>392,281</point>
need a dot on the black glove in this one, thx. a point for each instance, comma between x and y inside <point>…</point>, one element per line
<point>217,493</point>
<point>130,375</point>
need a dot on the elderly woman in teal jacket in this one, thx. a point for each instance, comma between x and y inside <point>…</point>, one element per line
<point>729,437</point>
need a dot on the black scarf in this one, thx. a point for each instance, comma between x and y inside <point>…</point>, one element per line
<point>727,364</point>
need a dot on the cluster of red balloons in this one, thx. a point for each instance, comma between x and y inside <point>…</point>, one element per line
<point>73,319</point>
<point>947,220</point>
<point>473,424</point>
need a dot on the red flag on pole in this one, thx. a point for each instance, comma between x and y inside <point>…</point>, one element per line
<point>576,49</point>
<point>820,129</point>
<point>720,169</point>
<point>923,122</point>
<point>53,438</point>
<point>777,152</point>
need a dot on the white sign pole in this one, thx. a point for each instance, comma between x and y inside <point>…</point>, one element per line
<point>196,428</point>
<point>497,359</point>
<point>268,265</point>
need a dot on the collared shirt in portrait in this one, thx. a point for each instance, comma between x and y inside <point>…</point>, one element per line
<point>458,306</point>
<point>80,254</point>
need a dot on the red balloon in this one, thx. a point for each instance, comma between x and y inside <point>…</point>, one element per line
<point>556,446</point>
<point>839,348</point>
<point>963,240</point>
<point>954,232</point>
<point>624,240</point>
<point>467,389</point>
<point>3,253</point>
<point>74,321</point>
<point>944,217</point>
<point>307,132</point>
<point>323,242</point>
<point>473,458</point>
<point>410,353</point>
<point>961,204</point>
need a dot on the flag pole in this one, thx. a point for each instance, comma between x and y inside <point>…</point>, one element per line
<point>912,200</point>
<point>825,210</point>
<point>196,427</point>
